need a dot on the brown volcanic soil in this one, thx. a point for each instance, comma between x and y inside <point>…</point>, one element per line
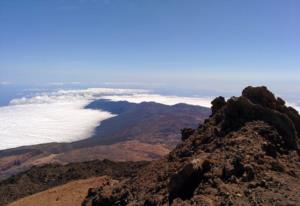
<point>38,179</point>
<point>70,194</point>
<point>246,153</point>
<point>132,150</point>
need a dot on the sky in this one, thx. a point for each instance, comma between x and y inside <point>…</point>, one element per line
<point>193,44</point>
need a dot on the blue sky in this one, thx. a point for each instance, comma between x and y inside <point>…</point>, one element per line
<point>199,44</point>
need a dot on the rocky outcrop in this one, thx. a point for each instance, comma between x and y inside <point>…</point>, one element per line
<point>185,181</point>
<point>263,97</point>
<point>217,104</point>
<point>246,153</point>
<point>105,195</point>
<point>186,133</point>
<point>238,111</point>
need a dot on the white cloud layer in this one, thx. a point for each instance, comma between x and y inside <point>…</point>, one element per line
<point>168,100</point>
<point>60,116</point>
<point>5,83</point>
<point>42,123</point>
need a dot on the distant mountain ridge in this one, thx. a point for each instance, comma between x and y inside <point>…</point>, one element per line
<point>139,121</point>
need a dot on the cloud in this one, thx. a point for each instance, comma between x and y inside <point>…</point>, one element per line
<point>168,100</point>
<point>52,117</point>
<point>5,83</point>
<point>60,116</point>
<point>73,95</point>
<point>63,83</point>
<point>42,123</point>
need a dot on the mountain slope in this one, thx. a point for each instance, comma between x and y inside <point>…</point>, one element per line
<point>148,121</point>
<point>246,153</point>
<point>42,178</point>
<point>144,131</point>
<point>70,194</point>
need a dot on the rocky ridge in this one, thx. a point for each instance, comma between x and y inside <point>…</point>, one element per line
<point>246,153</point>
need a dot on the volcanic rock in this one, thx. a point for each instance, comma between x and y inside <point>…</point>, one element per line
<point>185,181</point>
<point>186,133</point>
<point>246,153</point>
<point>217,104</point>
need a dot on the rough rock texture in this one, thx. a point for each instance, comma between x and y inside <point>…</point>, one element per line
<point>246,153</point>
<point>217,104</point>
<point>186,133</point>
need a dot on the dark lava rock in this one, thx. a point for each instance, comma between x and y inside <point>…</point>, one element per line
<point>240,110</point>
<point>263,97</point>
<point>106,196</point>
<point>249,173</point>
<point>217,104</point>
<point>185,181</point>
<point>186,133</point>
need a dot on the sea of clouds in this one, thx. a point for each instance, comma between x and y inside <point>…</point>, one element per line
<point>60,116</point>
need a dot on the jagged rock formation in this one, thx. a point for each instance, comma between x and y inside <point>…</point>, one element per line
<point>246,153</point>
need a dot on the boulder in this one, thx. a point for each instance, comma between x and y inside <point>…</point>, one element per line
<point>110,194</point>
<point>241,110</point>
<point>184,182</point>
<point>186,133</point>
<point>217,104</point>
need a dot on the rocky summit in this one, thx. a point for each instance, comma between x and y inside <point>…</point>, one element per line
<point>245,153</point>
